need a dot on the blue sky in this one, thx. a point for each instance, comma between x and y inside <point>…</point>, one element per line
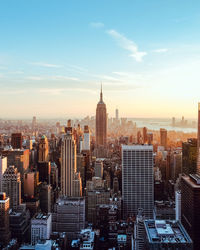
<point>54,54</point>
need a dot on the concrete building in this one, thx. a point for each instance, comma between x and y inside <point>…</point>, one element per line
<point>86,140</point>
<point>98,169</point>
<point>3,166</point>
<point>163,137</point>
<point>43,150</point>
<point>178,204</point>
<point>190,207</point>
<point>139,231</point>
<point>189,156</point>
<point>45,192</point>
<point>69,216</point>
<point>137,180</point>
<point>161,234</point>
<point>31,180</point>
<point>4,219</point>
<point>11,185</point>
<point>16,140</point>
<point>68,163</point>
<point>41,227</point>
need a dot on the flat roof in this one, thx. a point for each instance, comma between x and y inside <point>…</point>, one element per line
<point>166,232</point>
<point>137,147</point>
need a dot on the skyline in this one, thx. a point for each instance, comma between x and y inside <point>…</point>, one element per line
<point>53,58</point>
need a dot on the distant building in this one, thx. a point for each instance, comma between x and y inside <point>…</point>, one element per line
<point>11,185</point>
<point>101,122</point>
<point>16,140</point>
<point>43,150</point>
<point>98,169</point>
<point>163,137</point>
<point>145,139</point>
<point>190,207</point>
<point>41,227</point>
<point>86,141</point>
<point>4,219</point>
<point>137,180</point>
<point>161,234</point>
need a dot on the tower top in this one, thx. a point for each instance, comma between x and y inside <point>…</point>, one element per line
<point>101,96</point>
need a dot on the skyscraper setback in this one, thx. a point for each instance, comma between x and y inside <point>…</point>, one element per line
<point>101,122</point>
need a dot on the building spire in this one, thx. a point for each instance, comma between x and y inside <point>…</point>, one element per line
<point>101,94</point>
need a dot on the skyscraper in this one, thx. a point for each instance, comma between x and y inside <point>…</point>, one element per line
<point>189,156</point>
<point>101,122</point>
<point>190,207</point>
<point>163,137</point>
<point>137,179</point>
<point>43,151</point>
<point>68,162</point>
<point>4,219</point>
<point>145,139</point>
<point>117,114</point>
<point>11,185</point>
<point>16,140</point>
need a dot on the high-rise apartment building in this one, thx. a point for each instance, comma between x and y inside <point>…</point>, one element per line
<point>43,150</point>
<point>163,137</point>
<point>98,169</point>
<point>11,185</point>
<point>101,122</point>
<point>68,162</point>
<point>137,179</point>
<point>117,114</point>
<point>16,140</point>
<point>190,207</point>
<point>3,166</point>
<point>4,219</point>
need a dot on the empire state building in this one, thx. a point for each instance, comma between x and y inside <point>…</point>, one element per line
<point>101,122</point>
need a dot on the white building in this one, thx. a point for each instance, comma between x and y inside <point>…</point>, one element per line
<point>178,204</point>
<point>137,179</point>
<point>3,166</point>
<point>86,141</point>
<point>41,227</point>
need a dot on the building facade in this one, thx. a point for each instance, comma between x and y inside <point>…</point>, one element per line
<point>137,180</point>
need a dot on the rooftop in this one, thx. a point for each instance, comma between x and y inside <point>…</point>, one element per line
<point>166,232</point>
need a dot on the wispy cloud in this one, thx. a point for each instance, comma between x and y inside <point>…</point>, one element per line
<point>46,65</point>
<point>97,24</point>
<point>56,77</point>
<point>163,50</point>
<point>59,91</point>
<point>127,44</point>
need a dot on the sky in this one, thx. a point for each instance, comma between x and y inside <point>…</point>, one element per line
<point>54,54</point>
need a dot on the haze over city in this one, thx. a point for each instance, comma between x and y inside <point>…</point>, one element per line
<point>54,56</point>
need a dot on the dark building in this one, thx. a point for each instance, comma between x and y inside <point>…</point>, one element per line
<point>4,219</point>
<point>190,207</point>
<point>44,169</point>
<point>189,156</point>
<point>19,224</point>
<point>16,140</point>
<point>101,122</point>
